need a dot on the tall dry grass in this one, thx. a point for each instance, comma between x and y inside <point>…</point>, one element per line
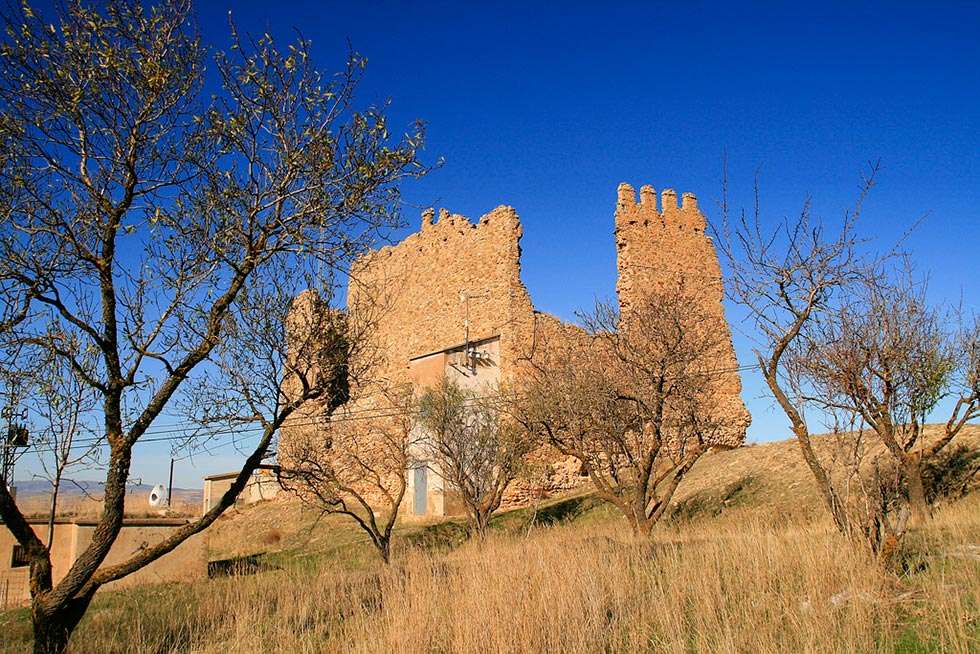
<point>734,584</point>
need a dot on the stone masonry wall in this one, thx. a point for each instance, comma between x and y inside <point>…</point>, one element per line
<point>435,280</point>
<point>666,247</point>
<point>456,281</point>
<point>452,281</point>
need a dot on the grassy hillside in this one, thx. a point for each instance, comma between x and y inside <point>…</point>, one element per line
<point>764,481</point>
<point>747,563</point>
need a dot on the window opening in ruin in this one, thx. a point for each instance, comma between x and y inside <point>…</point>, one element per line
<point>18,558</point>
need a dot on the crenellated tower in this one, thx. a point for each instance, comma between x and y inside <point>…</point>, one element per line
<point>666,247</point>
<point>455,284</point>
<point>656,244</point>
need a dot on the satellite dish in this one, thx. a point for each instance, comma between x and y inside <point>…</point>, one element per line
<point>156,498</point>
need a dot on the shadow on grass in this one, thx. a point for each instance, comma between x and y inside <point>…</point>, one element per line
<point>711,504</point>
<point>438,537</point>
<point>566,510</point>
<point>953,474</point>
<point>240,565</point>
<point>580,508</point>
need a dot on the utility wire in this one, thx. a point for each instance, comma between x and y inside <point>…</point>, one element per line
<point>192,432</point>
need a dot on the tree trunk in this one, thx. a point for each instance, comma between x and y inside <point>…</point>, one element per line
<point>802,434</point>
<point>918,504</point>
<point>824,484</point>
<point>53,627</point>
<point>640,525</point>
<point>54,508</point>
<point>482,524</point>
<point>643,529</point>
<point>384,549</point>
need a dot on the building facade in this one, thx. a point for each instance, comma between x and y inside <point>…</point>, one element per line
<point>263,485</point>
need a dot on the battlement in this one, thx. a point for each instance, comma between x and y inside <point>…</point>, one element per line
<point>659,241</point>
<point>646,213</point>
<point>499,229</point>
<point>447,219</point>
<point>662,246</point>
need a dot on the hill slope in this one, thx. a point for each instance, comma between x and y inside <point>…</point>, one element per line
<point>747,563</point>
<point>767,482</point>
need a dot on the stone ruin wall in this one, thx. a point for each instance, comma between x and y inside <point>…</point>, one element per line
<point>417,283</point>
<point>551,473</point>
<point>666,247</point>
<point>410,292</point>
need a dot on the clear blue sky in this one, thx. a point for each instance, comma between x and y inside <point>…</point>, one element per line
<point>548,107</point>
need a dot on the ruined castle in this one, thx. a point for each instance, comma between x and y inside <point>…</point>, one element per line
<point>455,305</point>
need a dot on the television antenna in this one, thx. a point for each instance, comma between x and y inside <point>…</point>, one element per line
<point>17,437</point>
<point>155,498</point>
<point>464,298</point>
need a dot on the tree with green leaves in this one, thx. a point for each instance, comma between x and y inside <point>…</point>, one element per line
<point>476,446</point>
<point>885,359</point>
<point>153,229</point>
<point>847,336</point>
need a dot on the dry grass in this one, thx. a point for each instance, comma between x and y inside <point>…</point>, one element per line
<point>747,563</point>
<point>732,583</point>
<point>777,480</point>
<point>82,507</point>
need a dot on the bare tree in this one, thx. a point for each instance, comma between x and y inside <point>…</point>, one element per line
<point>850,339</point>
<point>137,215</point>
<point>786,278</point>
<point>476,447</point>
<point>885,359</point>
<point>630,398</point>
<point>356,463</point>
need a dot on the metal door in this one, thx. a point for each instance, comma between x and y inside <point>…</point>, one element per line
<point>421,489</point>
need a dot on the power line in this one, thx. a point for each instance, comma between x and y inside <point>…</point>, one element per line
<point>194,432</point>
<point>380,412</point>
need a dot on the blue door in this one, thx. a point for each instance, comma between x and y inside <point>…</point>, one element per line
<point>421,489</point>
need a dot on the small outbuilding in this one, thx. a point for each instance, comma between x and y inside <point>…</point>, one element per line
<point>264,485</point>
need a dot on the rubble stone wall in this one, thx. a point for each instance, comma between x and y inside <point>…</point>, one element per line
<point>456,281</point>
<point>665,247</point>
<point>450,273</point>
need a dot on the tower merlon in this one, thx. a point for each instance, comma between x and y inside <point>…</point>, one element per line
<point>668,200</point>
<point>648,197</point>
<point>427,217</point>
<point>693,218</point>
<point>626,196</point>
